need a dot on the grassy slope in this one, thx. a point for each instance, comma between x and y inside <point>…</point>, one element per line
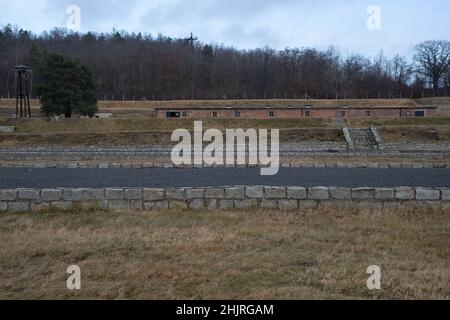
<point>141,130</point>
<point>234,255</point>
<point>138,131</point>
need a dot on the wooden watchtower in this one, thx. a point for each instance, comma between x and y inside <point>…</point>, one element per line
<point>23,76</point>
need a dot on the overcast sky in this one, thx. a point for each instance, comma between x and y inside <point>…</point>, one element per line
<point>251,23</point>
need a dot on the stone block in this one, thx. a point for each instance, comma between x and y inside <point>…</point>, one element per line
<point>175,194</point>
<point>404,193</point>
<point>243,204</point>
<point>211,204</point>
<point>235,193</point>
<point>73,194</point>
<point>133,194</point>
<point>18,206</point>
<point>427,194</point>
<point>195,194</point>
<point>254,192</point>
<point>288,204</point>
<point>363,193</point>
<point>8,195</point>
<point>445,195</point>
<point>384,193</point>
<point>153,194</point>
<point>341,193</point>
<point>226,204</point>
<point>3,206</point>
<point>296,193</point>
<point>156,205</point>
<point>114,194</point>
<point>269,204</point>
<point>29,194</point>
<point>197,204</point>
<point>319,193</point>
<point>93,194</point>
<point>136,204</point>
<point>214,193</point>
<point>275,193</point>
<point>51,195</point>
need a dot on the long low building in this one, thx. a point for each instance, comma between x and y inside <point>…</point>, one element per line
<point>315,109</point>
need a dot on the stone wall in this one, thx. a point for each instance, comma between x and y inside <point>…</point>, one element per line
<point>223,198</point>
<point>310,149</point>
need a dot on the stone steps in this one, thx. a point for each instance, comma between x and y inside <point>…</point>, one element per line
<point>361,139</point>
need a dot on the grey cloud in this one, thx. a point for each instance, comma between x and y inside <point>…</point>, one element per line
<point>250,23</point>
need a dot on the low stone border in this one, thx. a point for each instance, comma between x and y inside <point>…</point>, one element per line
<point>222,198</point>
<point>41,165</point>
<point>7,129</point>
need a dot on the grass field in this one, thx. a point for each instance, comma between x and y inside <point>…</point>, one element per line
<point>141,130</point>
<point>260,254</point>
<point>138,130</point>
<point>139,124</point>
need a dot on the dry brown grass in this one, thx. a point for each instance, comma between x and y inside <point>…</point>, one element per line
<point>140,124</point>
<point>419,133</point>
<point>398,122</point>
<point>141,130</point>
<point>233,255</point>
<point>143,138</point>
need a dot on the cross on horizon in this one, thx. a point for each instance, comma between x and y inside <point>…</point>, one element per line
<point>191,39</point>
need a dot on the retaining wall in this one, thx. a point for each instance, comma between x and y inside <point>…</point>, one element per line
<point>239,197</point>
<point>318,149</point>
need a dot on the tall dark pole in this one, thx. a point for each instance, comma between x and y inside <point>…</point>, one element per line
<point>20,94</point>
<point>17,96</point>
<point>27,98</point>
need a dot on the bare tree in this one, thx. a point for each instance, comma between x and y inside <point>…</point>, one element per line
<point>433,60</point>
<point>140,66</point>
<point>401,70</point>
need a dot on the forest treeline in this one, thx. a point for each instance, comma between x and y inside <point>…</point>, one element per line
<point>139,66</point>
